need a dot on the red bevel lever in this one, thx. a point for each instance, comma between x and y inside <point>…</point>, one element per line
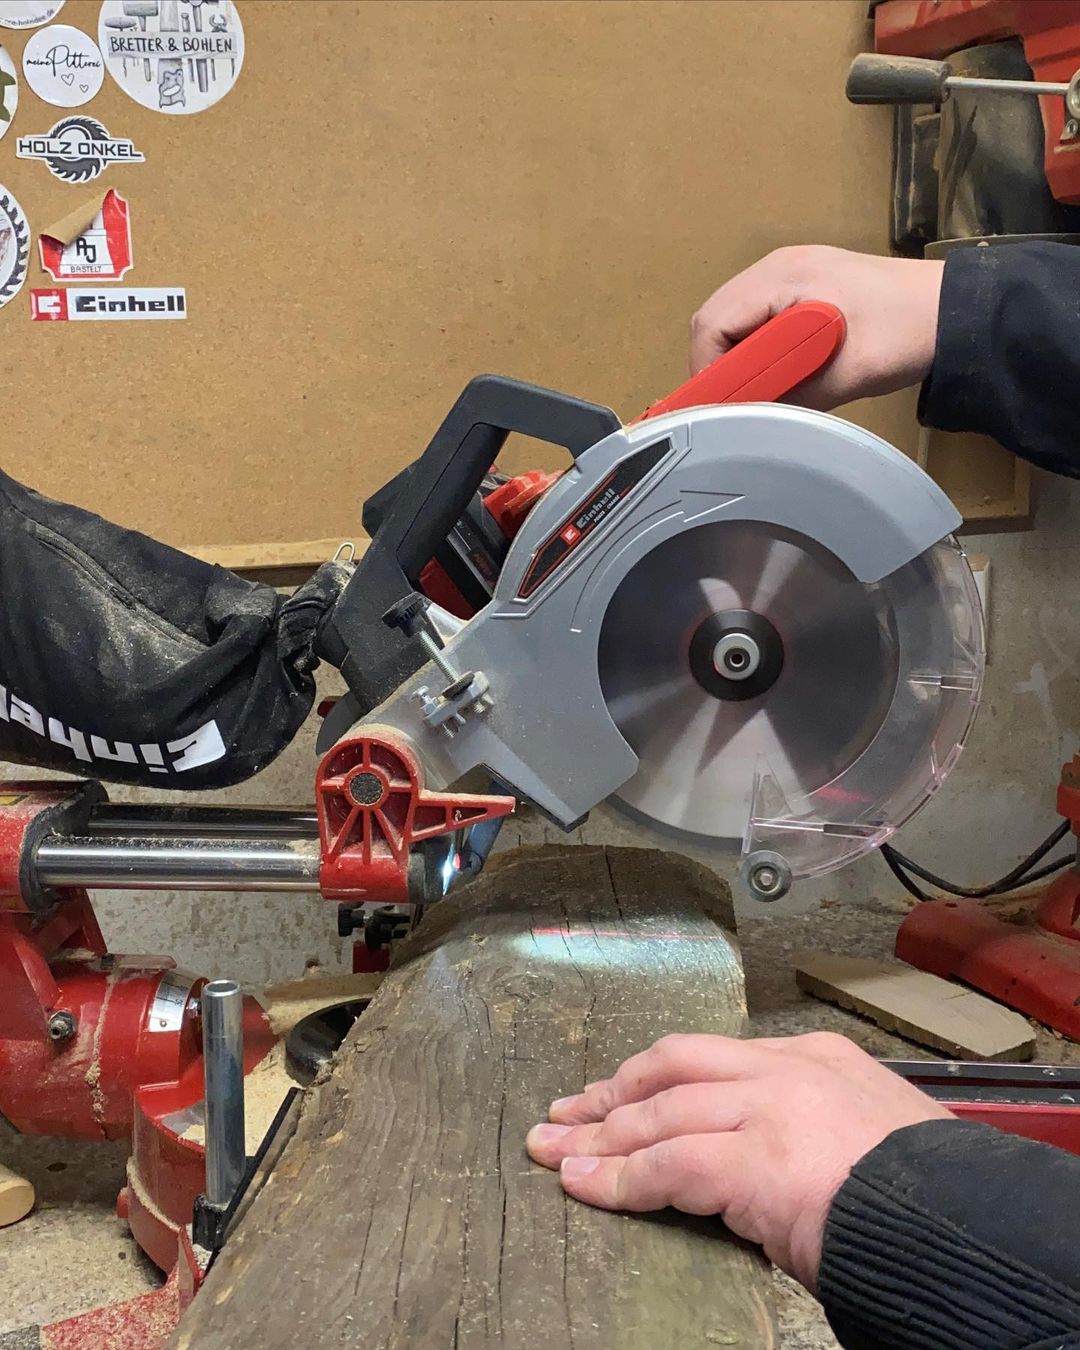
<point>766,365</point>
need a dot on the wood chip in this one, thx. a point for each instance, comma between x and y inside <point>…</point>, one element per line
<point>924,1008</point>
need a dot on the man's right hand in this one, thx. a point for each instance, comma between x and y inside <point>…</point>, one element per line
<point>762,1132</point>
<point>890,304</point>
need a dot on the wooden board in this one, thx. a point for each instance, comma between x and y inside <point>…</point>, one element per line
<point>932,1011</point>
<point>278,564</point>
<point>396,196</point>
<point>404,1211</point>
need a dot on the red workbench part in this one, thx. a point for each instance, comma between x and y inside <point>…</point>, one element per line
<point>1021,965</point>
<point>1048,29</point>
<point>1031,963</point>
<point>374,809</point>
<point>793,346</point>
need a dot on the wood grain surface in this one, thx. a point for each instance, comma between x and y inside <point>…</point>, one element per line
<point>405,1213</point>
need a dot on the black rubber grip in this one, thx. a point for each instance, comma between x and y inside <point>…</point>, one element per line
<point>897,79</point>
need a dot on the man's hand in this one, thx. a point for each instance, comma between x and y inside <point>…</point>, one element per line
<point>761,1132</point>
<point>890,304</point>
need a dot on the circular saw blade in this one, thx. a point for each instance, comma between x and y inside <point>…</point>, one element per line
<point>699,753</point>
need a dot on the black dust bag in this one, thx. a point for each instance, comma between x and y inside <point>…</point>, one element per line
<point>124,659</point>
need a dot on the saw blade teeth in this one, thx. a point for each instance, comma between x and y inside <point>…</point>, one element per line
<point>700,750</point>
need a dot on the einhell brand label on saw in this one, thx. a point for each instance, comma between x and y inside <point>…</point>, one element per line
<point>85,304</point>
<point>559,546</point>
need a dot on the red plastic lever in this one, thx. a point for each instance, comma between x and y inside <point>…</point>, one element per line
<point>766,365</point>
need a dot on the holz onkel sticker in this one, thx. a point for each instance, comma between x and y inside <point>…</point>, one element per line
<point>77,149</point>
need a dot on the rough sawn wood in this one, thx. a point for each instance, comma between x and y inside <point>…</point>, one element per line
<point>948,1017</point>
<point>405,1213</point>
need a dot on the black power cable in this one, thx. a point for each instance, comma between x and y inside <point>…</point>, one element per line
<point>1021,875</point>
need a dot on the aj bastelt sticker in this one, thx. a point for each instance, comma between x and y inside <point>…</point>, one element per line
<point>9,90</point>
<point>99,251</point>
<point>53,305</point>
<point>63,66</point>
<point>176,58</point>
<point>14,246</point>
<point>77,149</point>
<point>28,13</point>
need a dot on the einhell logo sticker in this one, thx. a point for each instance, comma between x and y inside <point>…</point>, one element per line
<point>87,304</point>
<point>77,149</point>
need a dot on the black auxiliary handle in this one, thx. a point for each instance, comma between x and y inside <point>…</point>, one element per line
<point>433,496</point>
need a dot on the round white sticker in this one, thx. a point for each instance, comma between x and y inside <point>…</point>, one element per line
<point>28,13</point>
<point>63,66</point>
<point>14,246</point>
<point>174,58</point>
<point>9,90</point>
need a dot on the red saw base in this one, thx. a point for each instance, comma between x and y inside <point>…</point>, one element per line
<point>1025,965</point>
<point>1031,962</point>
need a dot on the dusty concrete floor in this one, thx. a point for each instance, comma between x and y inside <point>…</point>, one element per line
<point>72,1253</point>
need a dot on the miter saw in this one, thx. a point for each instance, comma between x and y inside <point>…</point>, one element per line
<point>745,623</point>
<point>742,623</point>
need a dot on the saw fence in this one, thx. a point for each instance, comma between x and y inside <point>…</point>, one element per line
<point>404,1211</point>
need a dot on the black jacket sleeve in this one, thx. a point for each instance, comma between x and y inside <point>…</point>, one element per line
<point>124,659</point>
<point>955,1236</point>
<point>1007,360</point>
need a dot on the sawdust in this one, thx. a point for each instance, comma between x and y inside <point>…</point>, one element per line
<point>93,1073</point>
<point>266,1085</point>
<point>146,1200</point>
<point>264,1091</point>
<point>287,1004</point>
<point>97,1097</point>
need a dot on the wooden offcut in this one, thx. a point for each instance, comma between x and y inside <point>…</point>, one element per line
<point>925,1008</point>
<point>405,1212</point>
<point>16,1196</point>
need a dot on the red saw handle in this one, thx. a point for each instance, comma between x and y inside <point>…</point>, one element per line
<point>766,365</point>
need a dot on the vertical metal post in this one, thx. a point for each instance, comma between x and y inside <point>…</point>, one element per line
<point>223,1060</point>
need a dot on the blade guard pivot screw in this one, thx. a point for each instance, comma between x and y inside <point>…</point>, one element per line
<point>766,875</point>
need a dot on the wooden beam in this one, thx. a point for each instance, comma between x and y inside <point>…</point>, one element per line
<point>404,1211</point>
<point>284,564</point>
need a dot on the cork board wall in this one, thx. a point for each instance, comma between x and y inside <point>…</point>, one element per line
<point>396,196</point>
